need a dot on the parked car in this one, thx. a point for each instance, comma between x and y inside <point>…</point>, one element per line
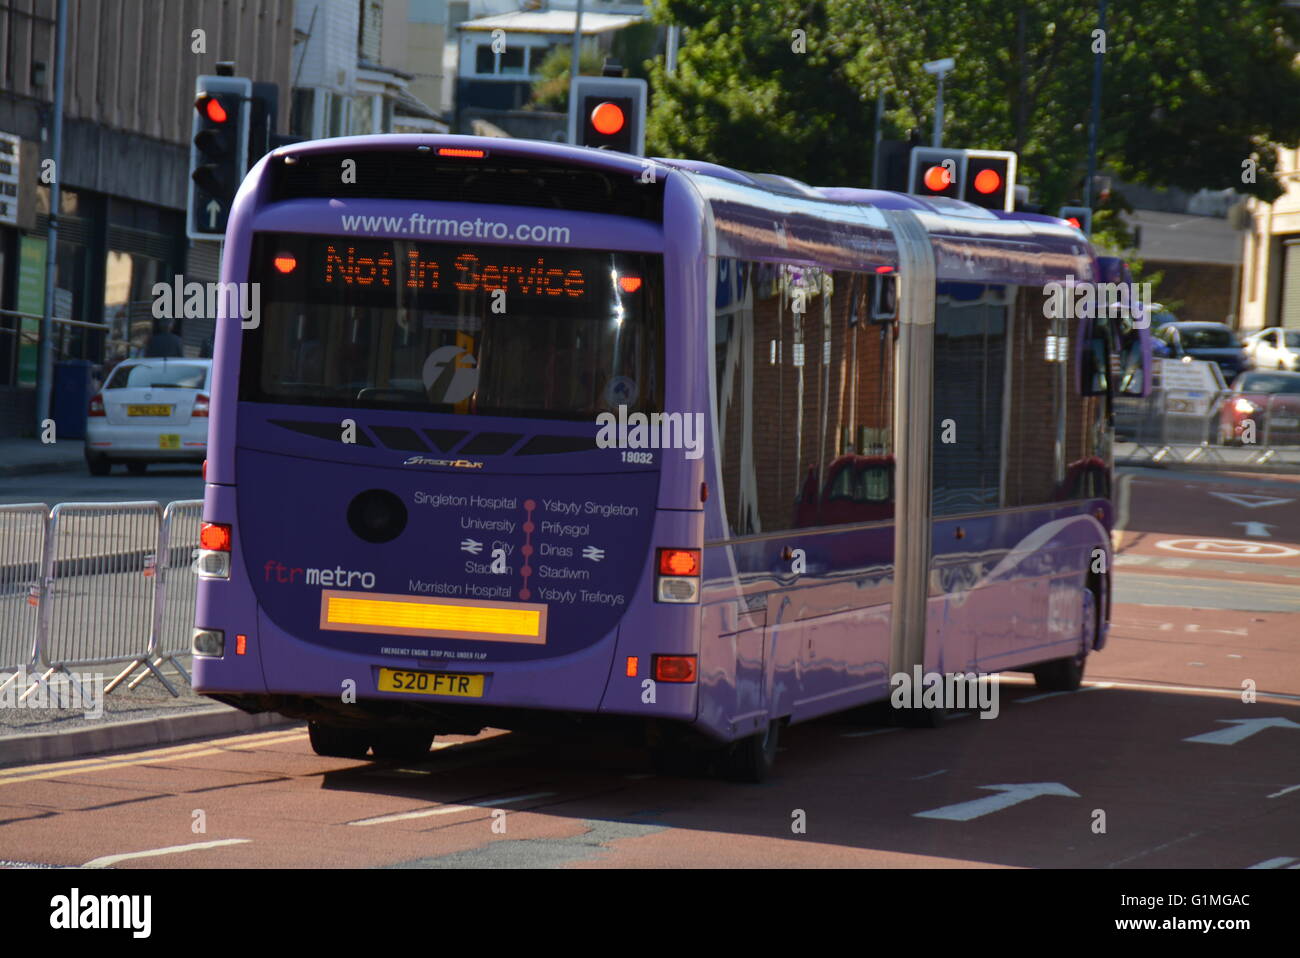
<point>149,410</point>
<point>1274,348</point>
<point>1271,398</point>
<point>1215,342</point>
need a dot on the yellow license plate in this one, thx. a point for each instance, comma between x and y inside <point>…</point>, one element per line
<point>169,440</point>
<point>148,410</point>
<point>432,683</point>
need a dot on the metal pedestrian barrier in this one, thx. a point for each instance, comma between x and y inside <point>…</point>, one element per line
<point>175,584</point>
<point>1170,427</point>
<point>1222,426</point>
<point>22,552</point>
<point>89,584</point>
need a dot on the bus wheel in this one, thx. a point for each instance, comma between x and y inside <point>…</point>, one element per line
<point>1061,675</point>
<point>337,741</point>
<point>401,743</point>
<point>751,759</point>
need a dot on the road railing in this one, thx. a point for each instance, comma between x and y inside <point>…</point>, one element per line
<point>97,583</point>
<point>1170,427</point>
<point>23,530</point>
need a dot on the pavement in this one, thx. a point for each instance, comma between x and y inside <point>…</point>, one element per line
<point>59,722</point>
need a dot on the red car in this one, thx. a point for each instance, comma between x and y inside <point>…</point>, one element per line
<point>857,489</point>
<point>1269,399</point>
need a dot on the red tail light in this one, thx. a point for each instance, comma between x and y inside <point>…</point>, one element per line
<point>674,668</point>
<point>96,405</point>
<point>214,536</point>
<point>679,561</point>
<point>201,405</point>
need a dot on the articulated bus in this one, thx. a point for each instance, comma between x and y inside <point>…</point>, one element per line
<point>883,449</point>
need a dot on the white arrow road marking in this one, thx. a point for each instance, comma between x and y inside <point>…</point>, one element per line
<point>1276,863</point>
<point>1011,795</point>
<point>1242,729</point>
<point>1250,501</point>
<point>450,809</point>
<point>1259,529</point>
<point>109,860</point>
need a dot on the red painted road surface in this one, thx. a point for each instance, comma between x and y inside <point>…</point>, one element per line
<point>1156,763</point>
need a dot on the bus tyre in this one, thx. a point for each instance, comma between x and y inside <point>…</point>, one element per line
<point>337,741</point>
<point>751,759</point>
<point>1061,675</point>
<point>401,743</point>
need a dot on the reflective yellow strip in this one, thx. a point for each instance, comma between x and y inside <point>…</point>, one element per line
<point>426,616</point>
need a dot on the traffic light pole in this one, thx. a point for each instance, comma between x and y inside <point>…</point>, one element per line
<point>1094,121</point>
<point>45,360</point>
<point>575,57</point>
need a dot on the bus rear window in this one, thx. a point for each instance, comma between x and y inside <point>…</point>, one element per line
<point>454,327</point>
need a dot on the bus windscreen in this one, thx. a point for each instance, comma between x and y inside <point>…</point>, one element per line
<point>454,327</point>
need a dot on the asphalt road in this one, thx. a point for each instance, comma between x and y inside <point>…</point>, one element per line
<point>1157,763</point>
<point>161,483</point>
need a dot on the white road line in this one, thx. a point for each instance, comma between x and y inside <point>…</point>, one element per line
<point>874,731</point>
<point>919,778</point>
<point>1274,863</point>
<point>109,860</point>
<point>1158,687</point>
<point>1052,695</point>
<point>1284,791</point>
<point>450,809</point>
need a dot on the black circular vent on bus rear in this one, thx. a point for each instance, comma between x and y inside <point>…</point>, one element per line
<point>377,515</point>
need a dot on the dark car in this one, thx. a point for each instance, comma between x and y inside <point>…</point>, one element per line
<point>1214,342</point>
<point>1271,399</point>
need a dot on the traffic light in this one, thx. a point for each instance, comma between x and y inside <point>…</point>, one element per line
<point>990,179</point>
<point>219,154</point>
<point>1080,217</point>
<point>936,171</point>
<point>609,114</point>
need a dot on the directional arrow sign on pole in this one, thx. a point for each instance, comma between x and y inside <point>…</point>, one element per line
<point>1242,729</point>
<point>1258,529</point>
<point>1011,795</point>
<point>1249,500</point>
<point>214,210</point>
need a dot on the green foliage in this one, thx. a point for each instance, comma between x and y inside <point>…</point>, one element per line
<point>1191,88</point>
<point>551,89</point>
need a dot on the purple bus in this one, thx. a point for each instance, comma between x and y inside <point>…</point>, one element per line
<point>412,526</point>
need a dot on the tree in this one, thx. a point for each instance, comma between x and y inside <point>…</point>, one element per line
<point>753,93</point>
<point>1192,88</point>
<point>551,90</point>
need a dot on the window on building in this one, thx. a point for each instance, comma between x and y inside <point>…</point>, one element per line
<point>363,114</point>
<point>302,112</point>
<point>512,62</point>
<point>485,60</point>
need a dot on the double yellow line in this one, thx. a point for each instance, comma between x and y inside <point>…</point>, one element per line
<point>35,773</point>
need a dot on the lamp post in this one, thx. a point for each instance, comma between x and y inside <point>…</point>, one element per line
<point>938,68</point>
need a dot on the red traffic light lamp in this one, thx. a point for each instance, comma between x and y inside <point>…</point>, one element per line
<point>608,118</point>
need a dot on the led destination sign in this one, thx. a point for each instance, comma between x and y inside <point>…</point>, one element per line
<point>344,265</point>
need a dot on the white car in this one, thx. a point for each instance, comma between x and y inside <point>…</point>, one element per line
<point>1275,348</point>
<point>150,410</point>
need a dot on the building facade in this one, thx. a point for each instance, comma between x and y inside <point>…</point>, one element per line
<point>128,105</point>
<point>1270,287</point>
